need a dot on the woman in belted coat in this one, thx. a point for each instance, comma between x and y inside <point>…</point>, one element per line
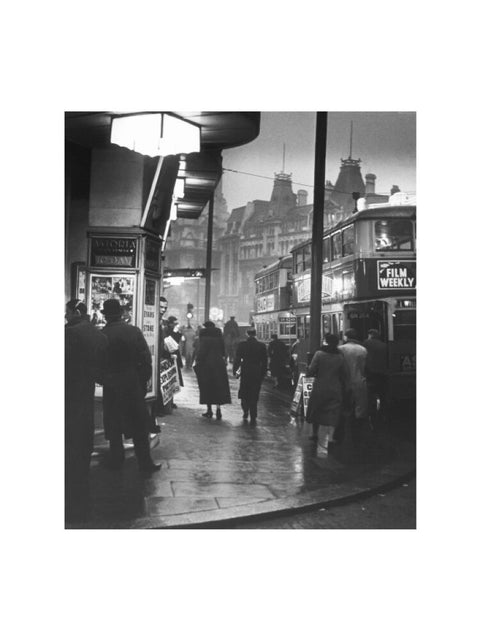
<point>330,389</point>
<point>211,369</point>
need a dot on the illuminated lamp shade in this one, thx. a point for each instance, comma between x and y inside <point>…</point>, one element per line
<point>155,134</point>
<point>179,188</point>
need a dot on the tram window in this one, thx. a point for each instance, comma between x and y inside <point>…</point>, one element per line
<point>393,235</point>
<point>348,241</point>
<point>405,324</point>
<point>326,250</point>
<point>337,245</point>
<point>307,327</point>
<point>326,324</point>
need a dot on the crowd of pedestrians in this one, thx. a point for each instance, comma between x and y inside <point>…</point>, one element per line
<point>349,380</point>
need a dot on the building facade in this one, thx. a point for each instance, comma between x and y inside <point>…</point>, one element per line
<point>263,231</point>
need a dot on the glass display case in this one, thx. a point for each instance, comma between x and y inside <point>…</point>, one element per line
<point>126,265</point>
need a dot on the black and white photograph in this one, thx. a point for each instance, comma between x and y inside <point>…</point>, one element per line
<point>285,248</point>
<point>252,366</point>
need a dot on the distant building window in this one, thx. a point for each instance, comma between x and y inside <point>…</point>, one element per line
<point>393,235</point>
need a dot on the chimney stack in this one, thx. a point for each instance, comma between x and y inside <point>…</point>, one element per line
<point>302,196</point>
<point>370,183</point>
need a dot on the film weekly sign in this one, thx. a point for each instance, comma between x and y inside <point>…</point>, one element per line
<point>396,274</point>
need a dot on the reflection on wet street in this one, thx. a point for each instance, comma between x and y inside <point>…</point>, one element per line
<point>210,464</point>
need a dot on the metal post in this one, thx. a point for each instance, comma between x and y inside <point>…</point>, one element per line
<point>208,275</point>
<point>317,234</point>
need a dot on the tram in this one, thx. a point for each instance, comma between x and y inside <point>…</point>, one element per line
<point>369,282</point>
<point>273,295</point>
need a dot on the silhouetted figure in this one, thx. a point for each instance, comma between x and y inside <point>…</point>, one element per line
<point>85,352</point>
<point>231,335</point>
<point>376,374</point>
<point>211,369</point>
<point>251,359</point>
<point>128,369</point>
<point>356,356</point>
<point>329,392</point>
<point>279,357</point>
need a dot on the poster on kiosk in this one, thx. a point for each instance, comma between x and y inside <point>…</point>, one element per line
<point>125,264</point>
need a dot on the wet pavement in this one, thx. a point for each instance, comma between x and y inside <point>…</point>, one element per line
<point>219,472</point>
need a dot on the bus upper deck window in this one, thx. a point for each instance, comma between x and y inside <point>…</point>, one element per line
<point>393,235</point>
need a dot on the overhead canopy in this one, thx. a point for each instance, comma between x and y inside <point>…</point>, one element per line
<point>202,171</point>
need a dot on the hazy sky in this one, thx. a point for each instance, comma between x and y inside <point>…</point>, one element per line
<point>385,141</point>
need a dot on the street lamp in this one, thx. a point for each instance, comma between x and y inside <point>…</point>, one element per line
<point>155,134</point>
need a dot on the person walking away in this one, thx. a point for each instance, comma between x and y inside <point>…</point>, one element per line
<point>376,374</point>
<point>294,362</point>
<point>85,352</point>
<point>278,354</point>
<point>128,369</point>
<point>356,356</point>
<point>231,335</point>
<point>189,334</point>
<point>251,360</point>
<point>211,369</point>
<point>329,390</point>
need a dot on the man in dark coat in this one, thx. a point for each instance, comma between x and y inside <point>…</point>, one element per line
<point>85,351</point>
<point>231,335</point>
<point>376,374</point>
<point>128,369</point>
<point>278,354</point>
<point>251,358</point>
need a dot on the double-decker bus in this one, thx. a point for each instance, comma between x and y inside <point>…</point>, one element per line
<point>369,282</point>
<point>272,313</point>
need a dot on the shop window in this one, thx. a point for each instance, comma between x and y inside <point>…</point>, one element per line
<point>393,235</point>
<point>348,241</point>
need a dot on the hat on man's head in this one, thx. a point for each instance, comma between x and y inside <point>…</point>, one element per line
<point>112,308</point>
<point>171,319</point>
<point>208,323</point>
<point>251,331</point>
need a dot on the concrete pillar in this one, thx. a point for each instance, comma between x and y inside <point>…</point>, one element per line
<point>116,188</point>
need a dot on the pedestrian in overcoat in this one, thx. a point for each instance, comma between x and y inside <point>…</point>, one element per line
<point>279,357</point>
<point>251,359</point>
<point>128,369</point>
<point>85,351</point>
<point>330,390</point>
<point>211,369</point>
<point>356,357</point>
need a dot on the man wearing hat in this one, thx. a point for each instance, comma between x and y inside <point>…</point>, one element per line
<point>251,358</point>
<point>128,369</point>
<point>85,351</point>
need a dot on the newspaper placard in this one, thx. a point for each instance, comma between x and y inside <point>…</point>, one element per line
<point>168,380</point>
<point>296,405</point>
<point>302,395</point>
<point>306,391</point>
